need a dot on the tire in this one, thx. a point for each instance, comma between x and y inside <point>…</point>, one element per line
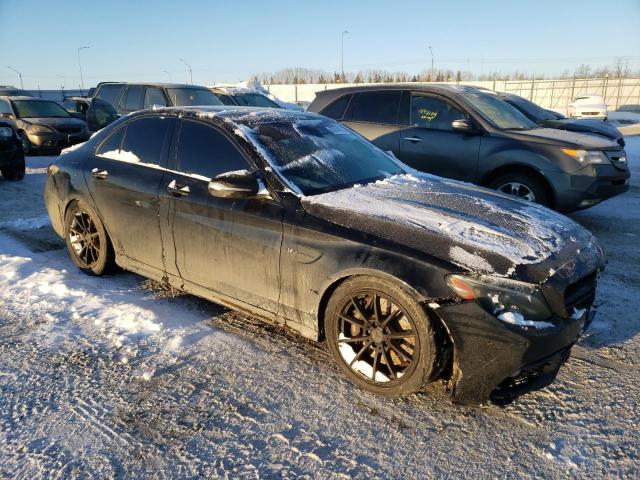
<point>391,367</point>
<point>26,144</point>
<point>87,240</point>
<point>15,171</point>
<point>527,187</point>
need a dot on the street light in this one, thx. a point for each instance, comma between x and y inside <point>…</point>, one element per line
<point>190,70</point>
<point>80,66</point>
<point>432,72</point>
<point>342,53</point>
<point>19,75</point>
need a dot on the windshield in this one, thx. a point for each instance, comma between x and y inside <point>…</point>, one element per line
<point>500,113</point>
<point>531,110</point>
<point>254,100</point>
<point>38,108</point>
<point>183,97</point>
<point>321,155</point>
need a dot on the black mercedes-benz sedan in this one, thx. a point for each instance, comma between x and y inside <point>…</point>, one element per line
<point>294,218</point>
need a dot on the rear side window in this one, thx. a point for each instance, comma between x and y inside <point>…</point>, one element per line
<point>375,107</point>
<point>133,99</point>
<point>144,140</point>
<point>433,113</point>
<point>154,96</point>
<point>109,93</point>
<point>336,109</point>
<point>205,151</point>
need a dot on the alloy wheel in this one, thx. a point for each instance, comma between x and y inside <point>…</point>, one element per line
<point>376,338</point>
<point>519,190</point>
<point>85,239</point>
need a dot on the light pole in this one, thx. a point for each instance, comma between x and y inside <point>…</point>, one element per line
<point>190,70</point>
<point>80,66</point>
<point>168,75</point>
<point>342,53</point>
<point>19,75</point>
<point>432,71</point>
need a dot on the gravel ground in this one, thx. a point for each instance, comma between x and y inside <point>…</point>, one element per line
<point>116,377</point>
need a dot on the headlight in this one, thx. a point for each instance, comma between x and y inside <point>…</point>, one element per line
<point>499,295</point>
<point>38,128</point>
<point>586,156</point>
<point>6,132</point>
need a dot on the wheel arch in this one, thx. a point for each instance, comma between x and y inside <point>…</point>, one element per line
<point>521,169</point>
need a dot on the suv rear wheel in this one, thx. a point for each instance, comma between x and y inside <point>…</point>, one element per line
<point>523,186</point>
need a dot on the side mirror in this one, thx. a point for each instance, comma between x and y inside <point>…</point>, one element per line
<point>240,184</point>
<point>463,125</point>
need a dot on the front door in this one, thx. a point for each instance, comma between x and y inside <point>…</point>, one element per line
<point>431,145</point>
<point>230,246</point>
<point>124,178</point>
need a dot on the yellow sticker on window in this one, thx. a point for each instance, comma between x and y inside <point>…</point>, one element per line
<point>426,114</point>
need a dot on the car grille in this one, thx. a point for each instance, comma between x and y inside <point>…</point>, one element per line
<point>591,113</point>
<point>581,294</point>
<point>69,129</point>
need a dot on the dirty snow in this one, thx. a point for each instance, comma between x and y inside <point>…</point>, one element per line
<point>118,378</point>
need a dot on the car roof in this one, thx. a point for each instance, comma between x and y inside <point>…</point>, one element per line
<point>427,87</point>
<point>154,84</point>
<point>24,97</point>
<point>235,113</point>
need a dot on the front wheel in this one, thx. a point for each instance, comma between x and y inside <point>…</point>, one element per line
<point>26,144</point>
<point>525,187</point>
<point>87,240</point>
<point>381,337</point>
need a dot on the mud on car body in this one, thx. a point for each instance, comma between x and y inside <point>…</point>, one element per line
<point>408,277</point>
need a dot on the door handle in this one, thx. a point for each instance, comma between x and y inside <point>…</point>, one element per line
<point>99,174</point>
<point>174,189</point>
<point>413,139</point>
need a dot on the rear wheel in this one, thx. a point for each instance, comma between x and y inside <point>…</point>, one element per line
<point>87,240</point>
<point>15,171</point>
<point>381,338</point>
<point>523,186</point>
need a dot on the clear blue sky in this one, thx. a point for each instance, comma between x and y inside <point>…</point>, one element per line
<point>229,40</point>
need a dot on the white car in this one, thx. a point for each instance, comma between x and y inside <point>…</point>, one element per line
<point>588,106</point>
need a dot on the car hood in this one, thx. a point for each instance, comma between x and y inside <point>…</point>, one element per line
<point>566,138</point>
<point>55,122</point>
<point>584,125</point>
<point>474,228</point>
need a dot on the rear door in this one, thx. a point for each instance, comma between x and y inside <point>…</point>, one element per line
<point>430,144</point>
<point>230,246</point>
<point>131,100</point>
<point>124,176</point>
<point>374,115</point>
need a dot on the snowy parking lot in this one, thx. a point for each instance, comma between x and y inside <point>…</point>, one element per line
<point>116,377</point>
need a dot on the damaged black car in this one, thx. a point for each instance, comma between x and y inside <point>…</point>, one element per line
<point>409,278</point>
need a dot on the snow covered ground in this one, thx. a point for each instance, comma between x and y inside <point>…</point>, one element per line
<point>114,377</point>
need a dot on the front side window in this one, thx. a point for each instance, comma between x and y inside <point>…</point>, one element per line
<point>203,150</point>
<point>184,97</point>
<point>38,108</point>
<point>133,99</point>
<point>143,141</point>
<point>319,155</point>
<point>109,92</point>
<point>375,107</point>
<point>433,113</point>
<point>154,97</point>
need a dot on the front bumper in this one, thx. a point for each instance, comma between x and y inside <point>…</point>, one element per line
<point>588,186</point>
<point>53,141</point>
<point>489,354</point>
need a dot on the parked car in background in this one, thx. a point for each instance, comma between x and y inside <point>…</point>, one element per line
<point>588,106</point>
<point>131,97</point>
<point>96,112</point>
<point>408,277</point>
<point>244,98</point>
<point>466,134</point>
<point>8,91</point>
<point>551,119</point>
<point>625,115</point>
<point>43,125</point>
<point>11,155</point>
